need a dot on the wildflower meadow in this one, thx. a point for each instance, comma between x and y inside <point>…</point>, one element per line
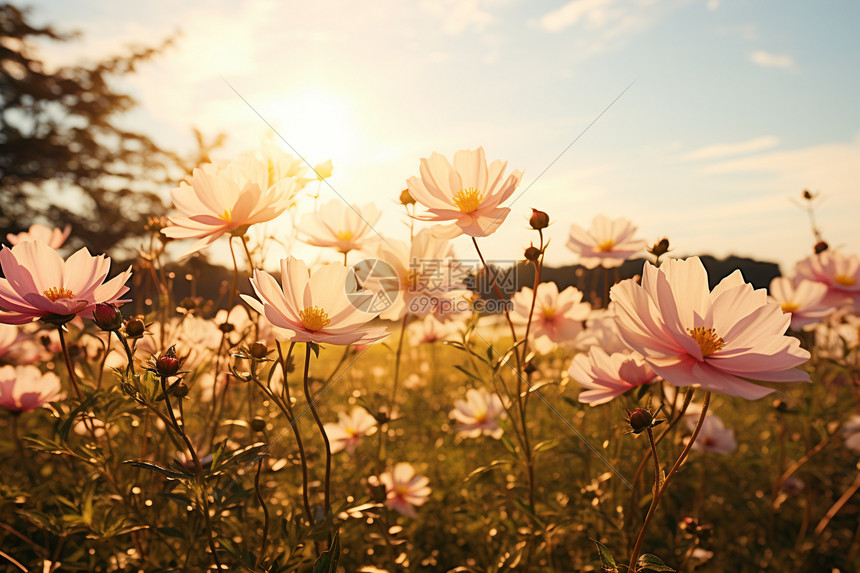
<point>360,382</point>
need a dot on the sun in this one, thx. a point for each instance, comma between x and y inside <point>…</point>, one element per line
<point>318,124</point>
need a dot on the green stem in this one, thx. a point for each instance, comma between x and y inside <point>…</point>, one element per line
<point>312,407</point>
<point>660,489</point>
<point>72,376</point>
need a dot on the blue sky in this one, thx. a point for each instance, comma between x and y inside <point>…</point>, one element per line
<point>735,107</point>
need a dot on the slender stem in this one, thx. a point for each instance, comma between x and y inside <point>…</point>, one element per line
<point>72,376</point>
<point>498,291</point>
<point>199,470</point>
<point>265,513</point>
<point>688,397</point>
<point>287,408</point>
<point>312,406</point>
<point>660,489</point>
<point>128,353</point>
<point>831,513</point>
<point>397,358</point>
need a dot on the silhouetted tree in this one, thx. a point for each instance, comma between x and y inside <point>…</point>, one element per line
<point>63,158</point>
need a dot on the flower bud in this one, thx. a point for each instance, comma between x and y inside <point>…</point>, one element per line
<point>640,420</point>
<point>188,303</point>
<point>807,195</point>
<point>532,253</point>
<point>181,390</point>
<point>406,197</point>
<point>168,363</point>
<point>134,328</point>
<point>660,248</point>
<point>258,350</point>
<point>539,220</point>
<point>107,317</point>
<point>820,247</point>
<point>258,424</point>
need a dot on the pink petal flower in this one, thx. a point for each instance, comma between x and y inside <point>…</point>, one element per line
<point>468,193</point>
<point>716,340</point>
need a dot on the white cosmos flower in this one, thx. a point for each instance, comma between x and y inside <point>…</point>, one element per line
<point>54,237</point>
<point>316,308</point>
<point>340,226</point>
<point>469,192</point>
<point>607,243</point>
<point>227,198</point>
<point>404,489</point>
<point>804,299</point>
<point>478,414</point>
<point>350,428</point>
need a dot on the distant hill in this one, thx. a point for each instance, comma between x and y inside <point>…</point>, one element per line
<point>213,281</point>
<point>592,281</point>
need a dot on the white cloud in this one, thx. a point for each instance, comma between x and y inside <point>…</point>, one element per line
<point>713,4</point>
<point>769,60</point>
<point>720,150</point>
<point>458,15</point>
<point>596,12</point>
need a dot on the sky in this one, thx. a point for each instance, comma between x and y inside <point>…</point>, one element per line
<point>724,110</point>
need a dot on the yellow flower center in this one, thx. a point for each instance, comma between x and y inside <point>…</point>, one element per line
<point>789,306</point>
<point>344,235</point>
<point>468,199</point>
<point>548,312</point>
<point>401,490</point>
<point>707,340</point>
<point>54,293</point>
<point>606,246</point>
<point>845,280</point>
<point>226,216</point>
<point>314,318</point>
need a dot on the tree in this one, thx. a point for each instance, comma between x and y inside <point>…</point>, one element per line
<point>63,159</point>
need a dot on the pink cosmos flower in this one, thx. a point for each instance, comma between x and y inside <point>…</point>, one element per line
<point>478,414</point>
<point>840,272</point>
<point>40,285</point>
<point>227,198</point>
<point>607,376</point>
<point>716,340</point>
<point>25,388</point>
<point>350,428</point>
<point>608,243</point>
<point>468,193</point>
<point>802,298</point>
<point>52,236</point>
<point>316,308</point>
<point>404,490</point>
<point>557,318</point>
<point>340,226</point>
<point>18,346</point>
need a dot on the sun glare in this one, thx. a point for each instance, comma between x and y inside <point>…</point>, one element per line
<point>317,123</point>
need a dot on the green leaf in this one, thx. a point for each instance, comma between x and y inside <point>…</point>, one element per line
<point>156,468</point>
<point>64,428</point>
<point>327,561</point>
<point>468,373</point>
<point>650,562</point>
<point>607,562</point>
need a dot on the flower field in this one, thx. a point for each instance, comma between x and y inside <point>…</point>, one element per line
<point>378,413</point>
